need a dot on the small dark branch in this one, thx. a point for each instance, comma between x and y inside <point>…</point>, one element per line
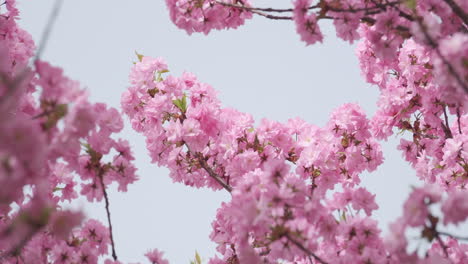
<point>276,10</point>
<point>312,187</point>
<point>48,29</point>
<point>442,244</point>
<point>394,5</point>
<point>373,9</point>
<point>434,45</point>
<point>201,159</point>
<point>458,11</point>
<point>372,21</point>
<point>272,16</point>
<point>452,236</point>
<point>458,120</point>
<point>446,127</point>
<point>404,15</point>
<point>16,250</point>
<point>106,198</point>
<point>210,172</point>
<point>304,249</point>
<point>383,7</point>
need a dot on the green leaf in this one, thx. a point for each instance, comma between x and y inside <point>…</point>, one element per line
<point>197,258</point>
<point>58,113</point>
<point>163,71</point>
<point>411,4</point>
<point>181,103</point>
<point>57,189</point>
<point>139,56</point>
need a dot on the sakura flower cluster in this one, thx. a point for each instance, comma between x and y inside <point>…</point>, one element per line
<point>419,215</point>
<point>55,146</point>
<point>416,53</point>
<point>418,99</point>
<point>205,15</point>
<point>295,186</point>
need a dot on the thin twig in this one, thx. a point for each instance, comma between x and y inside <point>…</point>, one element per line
<point>201,160</point>
<point>277,10</point>
<point>48,29</point>
<point>304,249</point>
<point>106,198</point>
<point>363,9</point>
<point>372,21</point>
<point>452,236</point>
<point>442,244</point>
<point>212,174</point>
<point>272,16</point>
<point>446,127</point>
<point>434,45</point>
<point>458,11</point>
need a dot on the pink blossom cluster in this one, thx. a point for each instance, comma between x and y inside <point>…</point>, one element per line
<point>55,146</point>
<point>295,187</point>
<point>188,131</point>
<point>306,22</point>
<point>281,176</point>
<point>419,96</point>
<point>205,15</point>
<point>419,214</point>
<point>416,52</point>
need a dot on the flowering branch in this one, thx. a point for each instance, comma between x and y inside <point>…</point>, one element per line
<point>304,249</point>
<point>435,46</point>
<point>322,5</point>
<point>458,11</point>
<point>272,16</point>
<point>201,159</point>
<point>277,10</point>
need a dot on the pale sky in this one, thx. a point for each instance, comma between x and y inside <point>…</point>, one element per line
<point>262,68</point>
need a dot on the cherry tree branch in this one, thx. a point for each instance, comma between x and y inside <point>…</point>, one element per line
<point>12,84</point>
<point>276,10</point>
<point>442,244</point>
<point>304,249</point>
<point>452,236</point>
<point>210,172</point>
<point>201,160</point>
<point>272,16</point>
<point>458,120</point>
<point>106,198</point>
<point>323,6</point>
<point>228,188</point>
<point>48,29</point>
<point>372,21</point>
<point>458,11</point>
<point>446,127</point>
<point>435,46</point>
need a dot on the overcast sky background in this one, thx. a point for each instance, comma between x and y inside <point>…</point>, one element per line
<point>262,68</point>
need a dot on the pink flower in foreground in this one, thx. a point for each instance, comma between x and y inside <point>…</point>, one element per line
<point>156,257</point>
